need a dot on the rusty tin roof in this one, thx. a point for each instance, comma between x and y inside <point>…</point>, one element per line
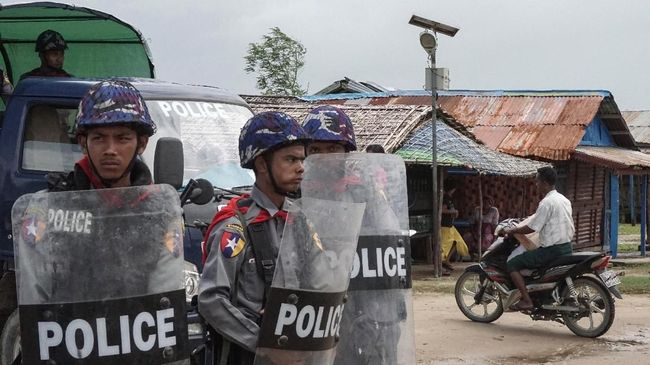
<point>542,124</point>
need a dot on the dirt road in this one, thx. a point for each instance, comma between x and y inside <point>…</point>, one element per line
<point>444,336</point>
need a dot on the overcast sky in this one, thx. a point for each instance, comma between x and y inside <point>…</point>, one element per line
<point>502,44</point>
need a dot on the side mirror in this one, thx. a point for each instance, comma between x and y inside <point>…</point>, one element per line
<point>203,192</point>
<point>199,192</point>
<point>168,162</point>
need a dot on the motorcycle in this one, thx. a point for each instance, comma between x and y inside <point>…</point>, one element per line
<point>575,290</point>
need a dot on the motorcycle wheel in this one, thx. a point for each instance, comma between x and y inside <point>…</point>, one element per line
<point>489,309</point>
<point>10,340</point>
<point>597,308</point>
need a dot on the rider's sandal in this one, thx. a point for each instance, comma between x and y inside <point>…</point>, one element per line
<point>518,307</point>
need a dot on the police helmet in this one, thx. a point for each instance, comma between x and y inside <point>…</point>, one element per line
<point>265,132</point>
<point>50,40</point>
<point>113,102</point>
<point>329,123</point>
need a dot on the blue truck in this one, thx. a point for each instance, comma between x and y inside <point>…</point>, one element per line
<point>37,137</point>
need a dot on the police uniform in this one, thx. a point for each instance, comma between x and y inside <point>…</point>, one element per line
<point>231,262</point>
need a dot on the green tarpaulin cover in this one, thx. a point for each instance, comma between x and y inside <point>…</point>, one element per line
<point>99,45</point>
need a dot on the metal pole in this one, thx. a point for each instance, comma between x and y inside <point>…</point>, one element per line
<point>435,216</point>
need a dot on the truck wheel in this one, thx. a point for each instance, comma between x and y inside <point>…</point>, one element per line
<point>10,339</point>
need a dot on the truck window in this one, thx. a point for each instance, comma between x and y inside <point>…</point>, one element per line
<point>49,143</point>
<point>210,135</point>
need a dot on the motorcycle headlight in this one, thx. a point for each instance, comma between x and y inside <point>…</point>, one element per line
<point>191,281</point>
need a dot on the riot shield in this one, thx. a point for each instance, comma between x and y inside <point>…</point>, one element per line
<point>304,309</point>
<point>377,326</point>
<point>99,277</point>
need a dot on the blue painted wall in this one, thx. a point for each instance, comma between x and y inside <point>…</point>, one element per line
<point>597,134</point>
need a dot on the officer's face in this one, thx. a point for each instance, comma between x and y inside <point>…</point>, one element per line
<point>54,58</point>
<point>325,147</point>
<point>287,166</point>
<point>111,150</point>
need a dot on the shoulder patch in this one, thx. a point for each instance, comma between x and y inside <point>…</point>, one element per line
<point>232,243</point>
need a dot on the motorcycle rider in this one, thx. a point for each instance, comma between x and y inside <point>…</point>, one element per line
<point>239,264</point>
<point>113,127</point>
<point>554,222</point>
<point>51,47</point>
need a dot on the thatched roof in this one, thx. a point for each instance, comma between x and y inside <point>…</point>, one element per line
<point>406,131</point>
<point>385,125</point>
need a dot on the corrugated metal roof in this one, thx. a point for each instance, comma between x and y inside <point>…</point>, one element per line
<point>639,123</point>
<point>621,159</point>
<point>543,124</point>
<point>455,149</point>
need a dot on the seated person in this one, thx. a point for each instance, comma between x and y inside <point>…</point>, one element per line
<point>51,47</point>
<point>486,223</point>
<point>553,220</point>
<point>452,242</point>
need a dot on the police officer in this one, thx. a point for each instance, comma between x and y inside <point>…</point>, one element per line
<point>234,284</point>
<point>113,127</point>
<point>368,335</point>
<point>51,47</point>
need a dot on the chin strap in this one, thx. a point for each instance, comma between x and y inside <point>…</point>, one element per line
<point>108,183</point>
<point>289,194</point>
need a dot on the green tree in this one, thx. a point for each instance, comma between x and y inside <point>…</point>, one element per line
<point>277,61</point>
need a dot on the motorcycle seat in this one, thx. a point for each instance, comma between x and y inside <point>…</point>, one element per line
<point>574,258</point>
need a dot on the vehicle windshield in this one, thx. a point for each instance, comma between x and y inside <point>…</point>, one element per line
<point>210,135</point>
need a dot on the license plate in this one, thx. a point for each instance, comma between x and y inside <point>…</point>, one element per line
<point>610,278</point>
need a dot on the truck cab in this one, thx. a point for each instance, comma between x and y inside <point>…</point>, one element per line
<point>37,136</point>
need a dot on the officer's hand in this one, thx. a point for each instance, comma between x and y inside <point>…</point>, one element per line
<point>504,232</point>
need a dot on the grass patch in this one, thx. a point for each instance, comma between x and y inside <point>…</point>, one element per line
<point>432,285</point>
<point>635,285</point>
<point>629,229</point>
<point>628,247</point>
<point>636,279</point>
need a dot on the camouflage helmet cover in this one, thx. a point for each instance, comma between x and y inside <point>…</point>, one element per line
<point>50,40</point>
<point>329,123</point>
<point>112,102</point>
<point>266,132</point>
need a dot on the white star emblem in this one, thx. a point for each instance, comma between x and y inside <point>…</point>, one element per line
<point>232,243</point>
<point>31,229</point>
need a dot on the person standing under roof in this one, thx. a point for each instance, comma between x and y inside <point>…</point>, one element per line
<point>51,47</point>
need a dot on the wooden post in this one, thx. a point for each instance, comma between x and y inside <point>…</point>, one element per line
<point>644,213</point>
<point>631,197</point>
<point>614,197</point>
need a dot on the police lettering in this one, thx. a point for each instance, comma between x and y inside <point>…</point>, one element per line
<point>310,321</point>
<point>191,109</point>
<point>388,262</point>
<point>74,221</point>
<point>51,334</point>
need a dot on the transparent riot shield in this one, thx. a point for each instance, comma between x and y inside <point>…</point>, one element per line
<point>99,277</point>
<point>304,310</point>
<point>377,326</point>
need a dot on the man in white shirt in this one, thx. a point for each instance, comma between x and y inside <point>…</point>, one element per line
<point>554,222</point>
